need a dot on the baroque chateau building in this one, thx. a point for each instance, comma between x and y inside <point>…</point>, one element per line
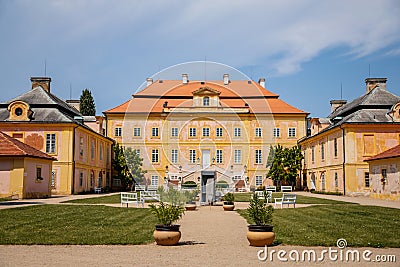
<point>205,132</point>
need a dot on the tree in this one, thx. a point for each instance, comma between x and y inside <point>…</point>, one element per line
<point>87,106</point>
<point>127,166</point>
<point>134,164</point>
<point>286,164</point>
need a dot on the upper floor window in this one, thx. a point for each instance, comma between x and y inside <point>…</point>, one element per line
<point>258,132</point>
<point>237,132</point>
<point>312,153</point>
<point>258,156</point>
<point>154,132</point>
<point>206,101</point>
<point>238,156</point>
<point>92,149</point>
<point>101,151</point>
<point>118,131</point>
<point>206,132</point>
<point>192,132</point>
<point>292,132</point>
<point>322,151</point>
<point>136,131</point>
<point>277,132</point>
<point>81,146</point>
<point>174,132</point>
<point>154,156</point>
<point>335,147</point>
<point>218,132</point>
<point>51,143</point>
<point>219,156</point>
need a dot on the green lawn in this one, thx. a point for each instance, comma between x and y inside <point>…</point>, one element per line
<point>113,199</point>
<point>72,224</point>
<point>245,197</point>
<point>361,226</point>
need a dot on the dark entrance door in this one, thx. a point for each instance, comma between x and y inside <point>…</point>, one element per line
<point>207,187</point>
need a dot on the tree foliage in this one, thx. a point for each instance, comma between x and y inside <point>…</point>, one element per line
<point>87,105</point>
<point>127,166</point>
<point>286,164</point>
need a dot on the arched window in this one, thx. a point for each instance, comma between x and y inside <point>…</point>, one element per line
<point>206,101</point>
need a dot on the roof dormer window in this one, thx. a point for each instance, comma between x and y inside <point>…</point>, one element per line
<point>19,111</point>
<point>206,101</point>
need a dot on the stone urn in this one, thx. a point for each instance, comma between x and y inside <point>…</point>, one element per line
<point>260,235</point>
<point>167,235</point>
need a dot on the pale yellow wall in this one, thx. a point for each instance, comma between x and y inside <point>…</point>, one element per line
<point>248,142</point>
<point>391,188</point>
<point>383,138</point>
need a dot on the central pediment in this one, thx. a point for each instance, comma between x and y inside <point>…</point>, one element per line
<point>206,91</point>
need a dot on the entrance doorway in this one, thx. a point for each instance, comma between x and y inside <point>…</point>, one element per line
<point>207,189</point>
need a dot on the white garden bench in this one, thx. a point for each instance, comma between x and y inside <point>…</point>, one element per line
<point>271,188</point>
<point>149,195</point>
<point>260,195</point>
<point>286,188</point>
<point>152,187</point>
<point>140,187</point>
<point>97,190</point>
<point>127,198</point>
<point>286,199</point>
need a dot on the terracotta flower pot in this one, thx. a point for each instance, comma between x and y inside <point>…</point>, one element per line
<point>260,235</point>
<point>167,235</point>
<point>228,206</point>
<point>190,206</point>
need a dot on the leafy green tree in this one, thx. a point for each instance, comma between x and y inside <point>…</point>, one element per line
<point>127,166</point>
<point>286,164</point>
<point>134,164</point>
<point>87,106</point>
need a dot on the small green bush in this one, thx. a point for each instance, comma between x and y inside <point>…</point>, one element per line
<point>167,214</point>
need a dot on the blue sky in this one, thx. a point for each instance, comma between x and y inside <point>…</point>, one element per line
<point>306,50</point>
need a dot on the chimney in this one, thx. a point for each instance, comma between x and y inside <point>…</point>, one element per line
<point>372,83</point>
<point>185,78</point>
<point>149,81</point>
<point>335,104</point>
<point>261,81</point>
<point>43,82</point>
<point>76,104</point>
<point>226,79</point>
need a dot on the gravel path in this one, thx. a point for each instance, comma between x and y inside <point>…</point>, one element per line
<point>210,237</point>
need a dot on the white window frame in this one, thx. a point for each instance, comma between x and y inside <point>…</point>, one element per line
<point>292,132</point>
<point>192,132</point>
<point>174,132</point>
<point>154,180</point>
<point>206,132</point>
<point>118,131</point>
<point>155,131</point>
<point>174,156</point>
<point>237,132</point>
<point>155,156</point>
<point>219,156</point>
<point>206,101</point>
<point>137,132</point>
<point>237,156</point>
<point>51,143</point>
<point>277,132</point>
<point>258,158</point>
<point>192,156</point>
<point>258,132</point>
<point>218,132</point>
<point>259,180</point>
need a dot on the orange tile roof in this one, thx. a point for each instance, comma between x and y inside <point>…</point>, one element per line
<point>390,153</point>
<point>235,95</point>
<point>10,147</point>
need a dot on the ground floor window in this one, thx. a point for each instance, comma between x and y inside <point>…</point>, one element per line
<point>53,179</point>
<point>154,180</point>
<point>80,178</point>
<point>366,179</point>
<point>336,180</point>
<point>258,180</point>
<point>323,181</point>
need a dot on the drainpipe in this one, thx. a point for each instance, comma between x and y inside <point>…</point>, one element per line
<point>344,160</point>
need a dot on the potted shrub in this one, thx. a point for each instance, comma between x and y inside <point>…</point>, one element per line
<point>167,233</point>
<point>260,213</point>
<point>191,199</point>
<point>229,203</point>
